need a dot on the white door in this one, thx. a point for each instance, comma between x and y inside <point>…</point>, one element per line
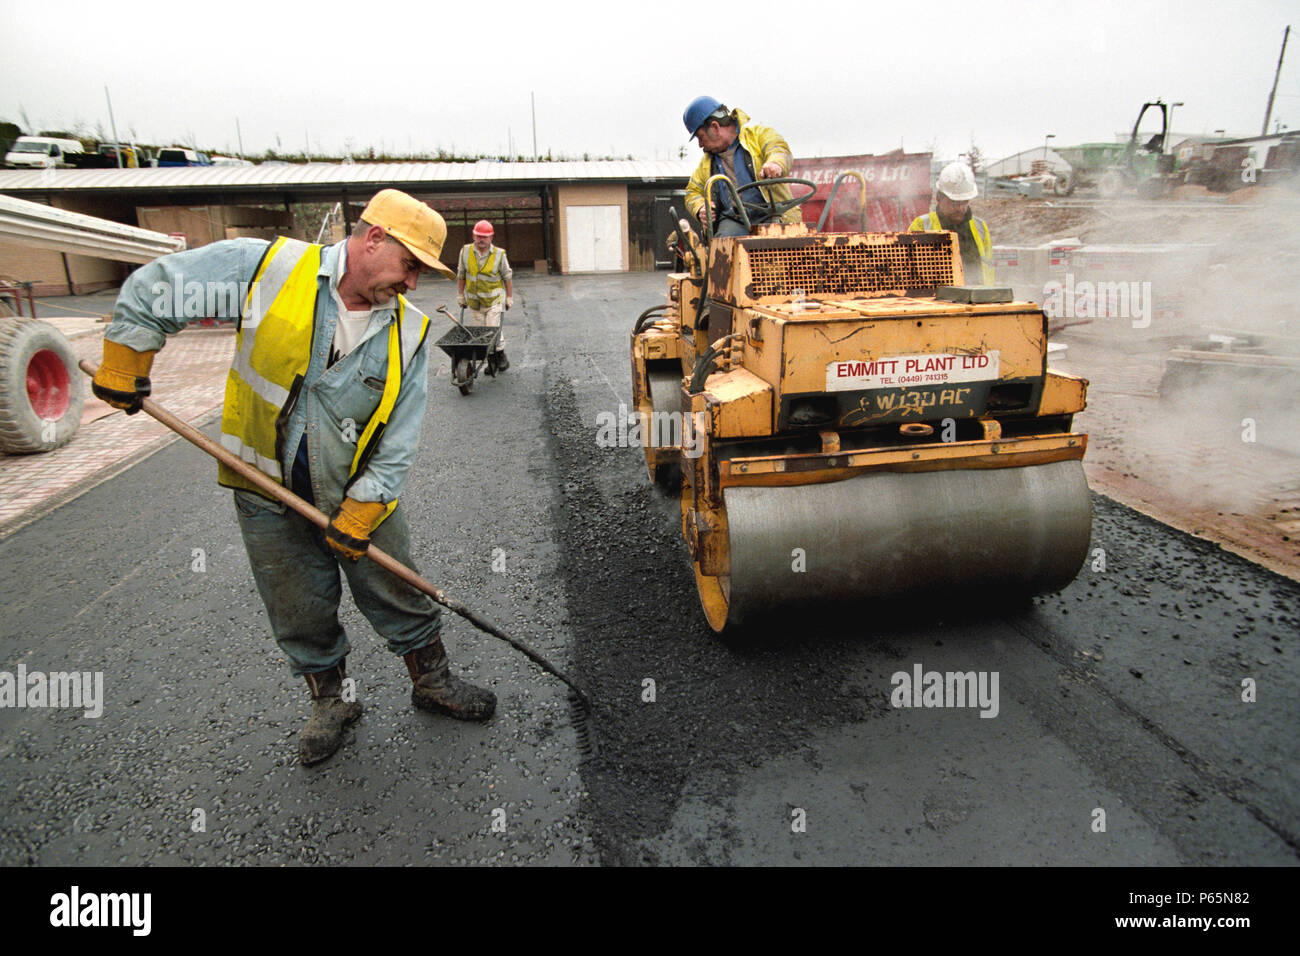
<point>595,238</point>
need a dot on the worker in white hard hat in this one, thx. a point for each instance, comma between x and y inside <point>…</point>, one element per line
<point>485,283</point>
<point>952,195</point>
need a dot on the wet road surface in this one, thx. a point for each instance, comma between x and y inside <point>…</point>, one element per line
<point>1120,735</point>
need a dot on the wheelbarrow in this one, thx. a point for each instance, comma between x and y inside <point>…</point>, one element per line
<point>469,347</point>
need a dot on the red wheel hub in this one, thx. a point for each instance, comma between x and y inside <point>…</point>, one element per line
<point>48,387</point>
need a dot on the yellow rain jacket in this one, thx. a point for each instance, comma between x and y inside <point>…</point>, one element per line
<point>764,145</point>
<point>929,222</point>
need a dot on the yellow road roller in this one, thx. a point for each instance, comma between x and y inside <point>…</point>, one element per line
<point>845,420</point>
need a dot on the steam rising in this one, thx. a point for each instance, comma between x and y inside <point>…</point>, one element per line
<point>1201,438</point>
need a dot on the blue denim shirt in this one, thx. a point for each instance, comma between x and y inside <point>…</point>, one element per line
<point>744,176</point>
<point>334,404</point>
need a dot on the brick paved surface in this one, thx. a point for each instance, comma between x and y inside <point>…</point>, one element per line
<point>188,375</point>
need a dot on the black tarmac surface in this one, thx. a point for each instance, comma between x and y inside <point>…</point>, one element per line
<point>1121,735</point>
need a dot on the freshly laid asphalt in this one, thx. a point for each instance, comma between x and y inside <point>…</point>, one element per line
<point>1120,697</point>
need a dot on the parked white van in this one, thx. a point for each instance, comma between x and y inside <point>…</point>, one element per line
<point>40,152</point>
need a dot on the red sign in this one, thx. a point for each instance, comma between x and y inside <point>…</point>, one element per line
<point>898,190</point>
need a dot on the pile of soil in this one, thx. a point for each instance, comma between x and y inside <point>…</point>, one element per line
<point>1251,215</point>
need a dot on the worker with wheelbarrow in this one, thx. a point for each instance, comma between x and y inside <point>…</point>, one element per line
<point>470,347</point>
<point>485,284</point>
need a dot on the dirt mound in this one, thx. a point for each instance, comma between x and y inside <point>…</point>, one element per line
<point>1245,219</point>
<point>1028,222</point>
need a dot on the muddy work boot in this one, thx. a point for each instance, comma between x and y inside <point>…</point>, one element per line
<point>438,690</point>
<point>330,714</point>
<point>503,363</point>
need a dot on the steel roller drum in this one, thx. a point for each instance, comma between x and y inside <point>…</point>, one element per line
<point>665,431</point>
<point>666,390</point>
<point>892,533</point>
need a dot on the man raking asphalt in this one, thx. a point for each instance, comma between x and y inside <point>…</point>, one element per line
<point>318,518</point>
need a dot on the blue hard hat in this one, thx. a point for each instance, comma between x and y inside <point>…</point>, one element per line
<point>699,109</point>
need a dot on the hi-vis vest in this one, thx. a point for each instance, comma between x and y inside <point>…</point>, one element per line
<point>483,288</point>
<point>272,348</point>
<point>978,228</point>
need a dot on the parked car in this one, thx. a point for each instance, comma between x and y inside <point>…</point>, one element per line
<point>129,159</point>
<point>182,156</point>
<point>41,152</point>
<point>104,158</point>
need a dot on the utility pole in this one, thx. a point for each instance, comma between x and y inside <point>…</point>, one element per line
<point>117,146</point>
<point>1268,112</point>
<point>533,98</point>
<point>239,136</point>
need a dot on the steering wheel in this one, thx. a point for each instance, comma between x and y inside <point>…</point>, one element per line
<point>772,208</point>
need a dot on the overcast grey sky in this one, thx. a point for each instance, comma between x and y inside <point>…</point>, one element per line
<point>834,78</point>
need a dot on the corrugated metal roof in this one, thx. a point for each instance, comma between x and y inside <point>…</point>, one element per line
<point>344,174</point>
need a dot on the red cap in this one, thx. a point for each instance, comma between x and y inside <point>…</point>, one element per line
<point>483,228</point>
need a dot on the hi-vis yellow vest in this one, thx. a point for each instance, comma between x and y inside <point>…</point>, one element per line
<point>272,349</point>
<point>978,228</point>
<point>483,288</point>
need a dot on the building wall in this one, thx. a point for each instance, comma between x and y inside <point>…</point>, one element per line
<point>201,225</point>
<point>521,241</point>
<point>105,207</point>
<point>649,224</point>
<point>565,196</point>
<point>1022,163</point>
<point>45,269</point>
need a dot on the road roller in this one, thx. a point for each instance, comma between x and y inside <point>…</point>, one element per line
<point>845,420</point>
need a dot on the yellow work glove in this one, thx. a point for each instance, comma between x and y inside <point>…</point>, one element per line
<point>123,376</point>
<point>351,525</point>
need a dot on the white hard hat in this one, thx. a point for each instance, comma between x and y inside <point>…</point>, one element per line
<point>957,182</point>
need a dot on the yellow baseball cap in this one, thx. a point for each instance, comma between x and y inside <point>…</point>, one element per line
<point>412,223</point>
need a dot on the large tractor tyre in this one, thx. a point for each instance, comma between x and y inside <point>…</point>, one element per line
<point>1065,185</point>
<point>40,387</point>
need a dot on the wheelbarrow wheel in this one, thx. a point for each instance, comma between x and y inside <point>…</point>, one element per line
<point>462,375</point>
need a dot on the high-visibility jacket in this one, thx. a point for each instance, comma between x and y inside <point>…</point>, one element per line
<point>978,229</point>
<point>764,145</point>
<point>272,349</point>
<point>484,285</point>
